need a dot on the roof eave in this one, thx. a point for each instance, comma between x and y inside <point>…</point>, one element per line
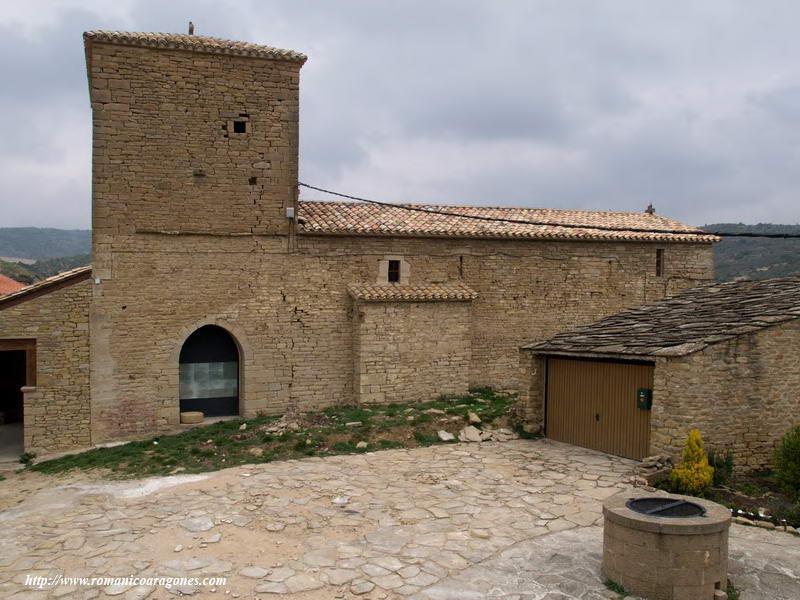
<point>542,238</point>
<point>46,286</point>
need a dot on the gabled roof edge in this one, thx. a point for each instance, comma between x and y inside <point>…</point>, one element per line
<point>46,286</point>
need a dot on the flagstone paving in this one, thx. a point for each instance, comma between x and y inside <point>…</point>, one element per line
<point>425,523</point>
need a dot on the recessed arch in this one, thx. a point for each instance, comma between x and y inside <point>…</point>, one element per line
<point>209,372</point>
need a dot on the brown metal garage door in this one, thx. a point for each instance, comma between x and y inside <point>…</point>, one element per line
<point>593,404</point>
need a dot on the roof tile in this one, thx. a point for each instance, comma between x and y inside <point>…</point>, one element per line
<point>685,323</point>
<point>195,43</point>
<point>353,218</point>
<point>412,293</point>
<point>77,274</point>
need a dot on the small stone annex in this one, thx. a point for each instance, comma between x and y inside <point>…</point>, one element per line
<point>723,358</point>
<point>214,288</point>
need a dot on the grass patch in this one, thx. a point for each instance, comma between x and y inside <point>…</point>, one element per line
<point>264,439</point>
<point>615,587</point>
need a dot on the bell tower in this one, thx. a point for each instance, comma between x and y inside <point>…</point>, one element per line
<point>191,135</point>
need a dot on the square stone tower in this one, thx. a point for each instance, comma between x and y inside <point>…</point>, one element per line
<point>195,160</point>
<point>190,134</point>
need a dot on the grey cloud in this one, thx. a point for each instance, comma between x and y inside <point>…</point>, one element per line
<point>691,106</point>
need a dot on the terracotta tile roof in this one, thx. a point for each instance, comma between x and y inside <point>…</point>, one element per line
<point>412,293</point>
<point>354,218</point>
<point>195,43</point>
<point>687,322</point>
<point>8,285</point>
<point>45,285</point>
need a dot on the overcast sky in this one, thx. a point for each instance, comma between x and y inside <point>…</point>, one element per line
<point>588,104</point>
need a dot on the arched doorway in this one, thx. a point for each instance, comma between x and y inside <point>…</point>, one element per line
<point>209,373</point>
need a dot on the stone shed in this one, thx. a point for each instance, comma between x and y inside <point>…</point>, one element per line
<point>723,358</point>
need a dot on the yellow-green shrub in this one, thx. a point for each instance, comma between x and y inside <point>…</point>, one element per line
<point>693,475</point>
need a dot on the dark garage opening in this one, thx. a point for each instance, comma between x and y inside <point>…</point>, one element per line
<point>209,373</point>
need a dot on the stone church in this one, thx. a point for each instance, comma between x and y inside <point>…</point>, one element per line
<point>214,288</point>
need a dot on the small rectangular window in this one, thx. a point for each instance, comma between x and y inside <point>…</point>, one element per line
<point>240,127</point>
<point>659,262</point>
<point>394,271</point>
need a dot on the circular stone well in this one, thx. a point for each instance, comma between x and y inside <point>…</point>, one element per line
<point>666,546</point>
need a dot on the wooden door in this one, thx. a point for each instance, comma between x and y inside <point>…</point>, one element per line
<point>593,404</point>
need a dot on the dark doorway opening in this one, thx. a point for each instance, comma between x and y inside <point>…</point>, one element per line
<point>209,373</point>
<point>17,369</point>
<point>12,379</point>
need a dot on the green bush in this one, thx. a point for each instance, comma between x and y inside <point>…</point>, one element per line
<point>787,463</point>
<point>723,466</point>
<point>693,475</point>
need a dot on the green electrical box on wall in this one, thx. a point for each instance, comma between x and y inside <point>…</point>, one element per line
<point>644,398</point>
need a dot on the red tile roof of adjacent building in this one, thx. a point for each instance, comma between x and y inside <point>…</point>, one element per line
<point>8,285</point>
<point>46,285</point>
<point>194,43</point>
<point>354,218</point>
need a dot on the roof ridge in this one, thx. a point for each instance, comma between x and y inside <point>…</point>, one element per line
<point>485,207</point>
<point>355,218</point>
<point>195,43</point>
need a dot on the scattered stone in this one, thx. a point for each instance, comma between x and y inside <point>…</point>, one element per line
<point>473,418</point>
<point>271,588</point>
<point>361,444</point>
<point>253,572</point>
<point>140,592</point>
<point>503,435</point>
<point>302,582</point>
<point>470,434</point>
<point>389,582</point>
<point>178,548</point>
<point>341,500</point>
<point>365,587</point>
<point>433,411</point>
<point>197,524</point>
<point>256,451</point>
<point>243,426</point>
<point>353,424</point>
<point>213,539</point>
<point>341,576</point>
<point>765,524</point>
<point>445,436</point>
<point>743,521</point>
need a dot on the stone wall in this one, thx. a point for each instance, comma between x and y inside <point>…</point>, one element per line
<point>166,157</point>
<point>741,395</point>
<point>292,316</point>
<point>56,411</point>
<point>410,351</point>
<point>189,229</point>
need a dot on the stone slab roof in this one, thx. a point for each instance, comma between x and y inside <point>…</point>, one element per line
<point>194,43</point>
<point>412,293</point>
<point>685,323</point>
<point>46,285</point>
<point>354,218</point>
<point>8,285</point>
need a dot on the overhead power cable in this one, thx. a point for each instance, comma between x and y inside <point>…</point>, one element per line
<point>447,213</point>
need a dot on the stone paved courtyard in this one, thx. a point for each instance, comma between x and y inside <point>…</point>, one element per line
<point>512,520</point>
